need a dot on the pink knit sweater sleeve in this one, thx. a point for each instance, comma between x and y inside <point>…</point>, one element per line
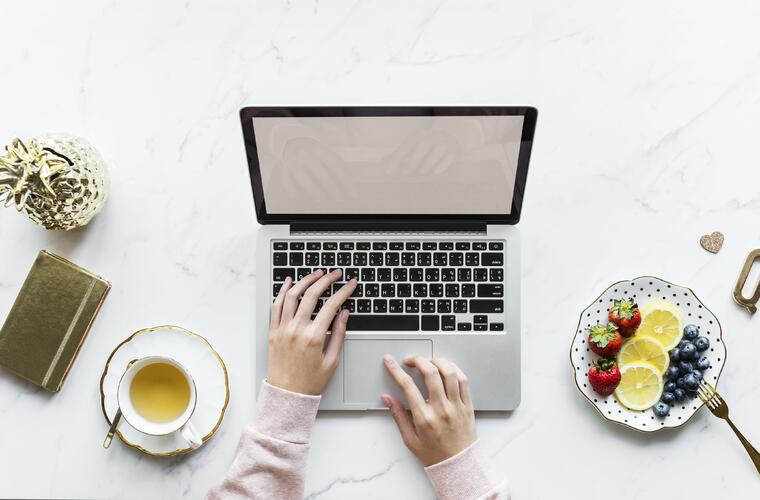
<point>271,458</point>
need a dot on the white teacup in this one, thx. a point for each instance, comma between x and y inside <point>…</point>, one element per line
<point>158,428</point>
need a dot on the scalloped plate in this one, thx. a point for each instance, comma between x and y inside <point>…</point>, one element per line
<point>646,289</point>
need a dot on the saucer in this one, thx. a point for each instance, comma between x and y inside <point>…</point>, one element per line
<point>202,362</point>
<point>643,290</point>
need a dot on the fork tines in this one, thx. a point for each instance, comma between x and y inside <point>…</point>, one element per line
<point>708,395</point>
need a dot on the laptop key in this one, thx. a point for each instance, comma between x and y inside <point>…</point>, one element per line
<point>404,290</point>
<point>456,259</point>
<point>303,272</point>
<point>384,274</point>
<point>428,306</point>
<point>430,323</point>
<point>346,245</point>
<point>312,259</point>
<point>376,259</point>
<point>280,259</point>
<point>460,306</point>
<point>432,274</point>
<point>328,259</point>
<point>448,323</point>
<point>407,259</point>
<point>448,274</point>
<point>368,274</point>
<point>446,245</point>
<point>296,259</point>
<point>296,245</point>
<point>362,306</point>
<point>491,290</point>
<point>412,305</point>
<point>387,322</point>
<point>344,259</point>
<point>360,258</point>
<point>440,259</point>
<point>420,290</point>
<point>371,290</point>
<point>429,245</point>
<point>424,259</point>
<point>464,274</point>
<point>481,274</point>
<point>363,246</point>
<point>379,306</point>
<point>496,245</point>
<point>412,246</point>
<point>358,291</point>
<point>396,245</point>
<point>480,328</point>
<point>464,327</point>
<point>496,274</point>
<point>452,290</point>
<point>480,318</point>
<point>280,245</point>
<point>350,304</point>
<point>415,274</point>
<point>330,246</point>
<point>392,259</point>
<point>484,306</point>
<point>468,290</point>
<point>472,259</point>
<point>352,272</point>
<point>379,245</point>
<point>444,306</point>
<point>463,245</point>
<point>399,274</point>
<point>436,290</point>
<point>313,245</point>
<point>276,289</point>
<point>497,327</point>
<point>280,273</point>
<point>388,290</point>
<point>396,305</point>
<point>479,245</point>
<point>492,259</point>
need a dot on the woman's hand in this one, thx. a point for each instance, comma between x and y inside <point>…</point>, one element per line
<point>442,426</point>
<point>299,359</point>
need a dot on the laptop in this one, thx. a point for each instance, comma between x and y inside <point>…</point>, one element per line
<point>420,205</point>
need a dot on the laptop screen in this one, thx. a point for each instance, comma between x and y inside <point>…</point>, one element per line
<point>428,164</point>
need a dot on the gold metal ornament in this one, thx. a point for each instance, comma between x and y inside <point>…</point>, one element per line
<point>749,303</point>
<point>59,181</point>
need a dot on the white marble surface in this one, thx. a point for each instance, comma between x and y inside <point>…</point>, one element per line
<point>647,138</point>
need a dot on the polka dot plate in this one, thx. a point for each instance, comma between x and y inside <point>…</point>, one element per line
<point>644,290</point>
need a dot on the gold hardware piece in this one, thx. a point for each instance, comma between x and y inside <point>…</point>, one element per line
<point>112,430</point>
<point>719,408</point>
<point>748,303</point>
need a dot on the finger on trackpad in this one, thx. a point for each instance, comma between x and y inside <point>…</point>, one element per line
<point>365,377</point>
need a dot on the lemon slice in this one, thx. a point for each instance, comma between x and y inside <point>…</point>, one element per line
<point>644,349</point>
<point>640,386</point>
<point>662,322</point>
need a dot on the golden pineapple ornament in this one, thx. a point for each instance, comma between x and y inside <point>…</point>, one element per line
<point>58,180</point>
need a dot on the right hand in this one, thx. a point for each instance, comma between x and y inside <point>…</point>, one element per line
<point>442,426</point>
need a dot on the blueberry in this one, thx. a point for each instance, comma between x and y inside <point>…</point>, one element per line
<point>680,383</point>
<point>675,354</point>
<point>672,373</point>
<point>685,367</point>
<point>697,374</point>
<point>670,387</point>
<point>680,394</point>
<point>702,343</point>
<point>661,409</point>
<point>703,363</point>
<point>689,352</point>
<point>668,398</point>
<point>691,332</point>
<point>683,344</point>
<point>690,382</point>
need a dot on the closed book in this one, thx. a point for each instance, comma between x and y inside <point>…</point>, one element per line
<point>50,319</point>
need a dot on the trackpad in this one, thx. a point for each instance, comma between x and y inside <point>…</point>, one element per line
<point>365,378</point>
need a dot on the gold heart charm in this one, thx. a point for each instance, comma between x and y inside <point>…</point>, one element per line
<point>712,242</point>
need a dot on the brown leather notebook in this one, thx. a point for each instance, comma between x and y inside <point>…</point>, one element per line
<point>50,320</point>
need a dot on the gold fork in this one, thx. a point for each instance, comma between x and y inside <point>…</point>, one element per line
<point>719,408</point>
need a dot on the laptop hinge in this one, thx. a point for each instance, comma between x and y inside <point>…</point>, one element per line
<point>411,225</point>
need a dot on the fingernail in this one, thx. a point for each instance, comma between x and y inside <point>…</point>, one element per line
<point>388,359</point>
<point>344,315</point>
<point>318,271</point>
<point>386,400</point>
<point>288,279</point>
<point>352,281</point>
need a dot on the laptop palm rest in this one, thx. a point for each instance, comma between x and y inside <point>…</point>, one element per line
<point>365,377</point>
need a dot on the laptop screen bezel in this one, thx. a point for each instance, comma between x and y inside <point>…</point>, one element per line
<point>247,115</point>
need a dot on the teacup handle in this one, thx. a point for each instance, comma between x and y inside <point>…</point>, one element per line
<point>190,434</point>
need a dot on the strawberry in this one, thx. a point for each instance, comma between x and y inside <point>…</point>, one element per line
<point>604,376</point>
<point>605,340</point>
<point>626,315</point>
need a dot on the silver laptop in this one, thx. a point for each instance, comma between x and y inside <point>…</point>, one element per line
<point>420,205</point>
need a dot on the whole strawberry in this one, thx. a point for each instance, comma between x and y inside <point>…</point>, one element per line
<point>604,376</point>
<point>605,340</point>
<point>626,315</point>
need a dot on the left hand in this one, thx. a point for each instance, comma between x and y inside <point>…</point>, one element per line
<point>299,360</point>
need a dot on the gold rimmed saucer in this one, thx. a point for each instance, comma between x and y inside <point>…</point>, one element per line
<point>644,290</point>
<point>200,359</point>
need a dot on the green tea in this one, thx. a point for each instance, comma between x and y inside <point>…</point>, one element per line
<point>160,392</point>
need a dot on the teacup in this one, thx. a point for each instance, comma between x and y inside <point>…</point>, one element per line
<point>157,396</point>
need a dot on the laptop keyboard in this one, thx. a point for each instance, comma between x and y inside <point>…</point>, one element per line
<point>449,286</point>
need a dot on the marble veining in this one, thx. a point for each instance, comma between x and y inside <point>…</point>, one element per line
<point>648,119</point>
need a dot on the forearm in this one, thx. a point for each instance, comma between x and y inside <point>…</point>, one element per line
<point>270,462</point>
<point>467,476</point>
